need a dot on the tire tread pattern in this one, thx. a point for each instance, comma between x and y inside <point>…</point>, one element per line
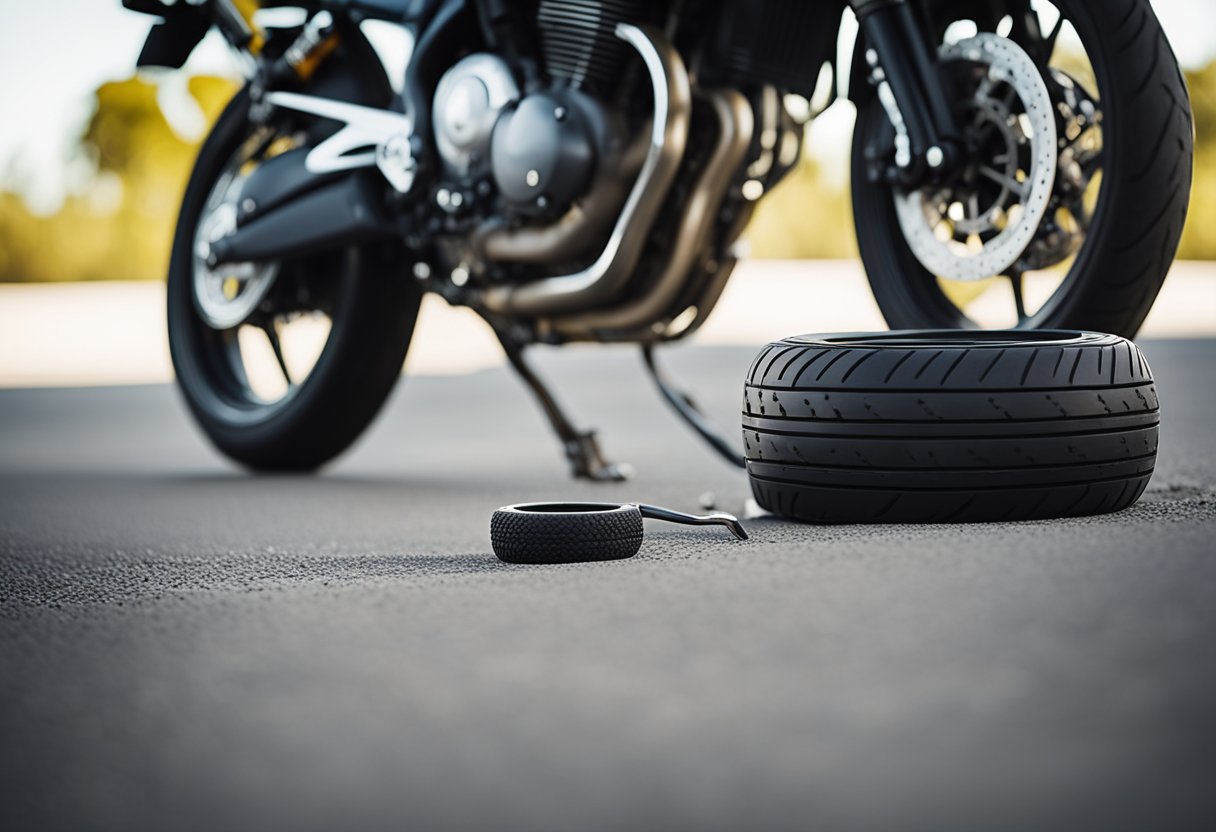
<point>574,537</point>
<point>958,431</point>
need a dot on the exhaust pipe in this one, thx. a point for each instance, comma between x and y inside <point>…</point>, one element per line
<point>736,125</point>
<point>600,282</point>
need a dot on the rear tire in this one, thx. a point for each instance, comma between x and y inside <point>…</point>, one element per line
<point>374,307</point>
<point>949,427</point>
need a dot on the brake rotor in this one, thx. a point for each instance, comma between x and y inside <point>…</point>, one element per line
<point>227,294</point>
<point>980,224</point>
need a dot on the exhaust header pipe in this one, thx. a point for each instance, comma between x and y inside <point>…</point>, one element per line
<point>602,280</point>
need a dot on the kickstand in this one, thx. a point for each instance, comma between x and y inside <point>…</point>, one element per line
<point>582,448</point>
<point>690,413</point>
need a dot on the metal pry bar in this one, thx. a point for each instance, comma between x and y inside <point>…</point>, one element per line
<point>720,519</point>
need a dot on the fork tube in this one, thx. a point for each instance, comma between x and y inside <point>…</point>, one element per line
<point>898,54</point>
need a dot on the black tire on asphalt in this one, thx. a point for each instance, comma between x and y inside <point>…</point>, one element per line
<point>949,426</point>
<point>1149,142</point>
<point>566,532</point>
<point>375,305</point>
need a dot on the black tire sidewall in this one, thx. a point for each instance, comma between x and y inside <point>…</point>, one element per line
<point>375,306</point>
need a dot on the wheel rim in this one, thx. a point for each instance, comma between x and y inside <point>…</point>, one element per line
<point>980,224</point>
<point>227,294</point>
<point>258,330</point>
<point>1026,292</point>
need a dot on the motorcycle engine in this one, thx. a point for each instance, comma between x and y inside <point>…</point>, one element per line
<point>533,179</point>
<point>468,101</point>
<point>538,150</point>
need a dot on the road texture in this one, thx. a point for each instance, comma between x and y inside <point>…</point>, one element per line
<point>184,646</point>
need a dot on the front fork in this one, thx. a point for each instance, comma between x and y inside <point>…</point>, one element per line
<point>903,65</point>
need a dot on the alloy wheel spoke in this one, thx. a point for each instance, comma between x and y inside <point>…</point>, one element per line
<point>271,328</point>
<point>1019,188</point>
<point>1049,42</point>
<point>1028,33</point>
<point>1017,284</point>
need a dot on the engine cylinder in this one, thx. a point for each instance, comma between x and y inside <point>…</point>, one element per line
<point>778,42</point>
<point>579,42</point>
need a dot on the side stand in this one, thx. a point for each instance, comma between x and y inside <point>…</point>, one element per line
<point>687,410</point>
<point>582,448</point>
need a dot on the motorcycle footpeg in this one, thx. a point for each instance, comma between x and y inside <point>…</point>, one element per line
<point>549,533</point>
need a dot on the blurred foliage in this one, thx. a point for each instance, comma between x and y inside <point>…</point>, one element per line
<point>804,217</point>
<point>1199,237</point>
<point>117,222</point>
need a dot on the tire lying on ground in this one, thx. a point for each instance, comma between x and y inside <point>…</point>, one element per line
<point>566,532</point>
<point>950,426</point>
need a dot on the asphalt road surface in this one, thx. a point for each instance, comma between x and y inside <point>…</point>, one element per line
<point>184,646</point>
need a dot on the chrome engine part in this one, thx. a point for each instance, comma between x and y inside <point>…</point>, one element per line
<point>569,181</point>
<point>602,279</point>
<point>655,311</point>
<point>589,218</point>
<point>468,101</point>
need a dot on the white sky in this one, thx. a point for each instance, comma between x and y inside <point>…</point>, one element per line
<point>53,53</point>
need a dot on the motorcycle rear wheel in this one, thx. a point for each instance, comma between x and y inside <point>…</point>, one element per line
<point>370,301</point>
<point>1147,139</point>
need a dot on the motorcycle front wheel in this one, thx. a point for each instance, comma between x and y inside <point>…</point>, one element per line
<point>283,365</point>
<point>1089,246</point>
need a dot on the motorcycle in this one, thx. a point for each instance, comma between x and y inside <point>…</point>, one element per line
<point>581,171</point>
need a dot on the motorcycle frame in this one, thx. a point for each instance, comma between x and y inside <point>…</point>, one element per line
<point>894,47</point>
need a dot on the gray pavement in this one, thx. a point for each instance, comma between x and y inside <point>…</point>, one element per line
<point>183,646</point>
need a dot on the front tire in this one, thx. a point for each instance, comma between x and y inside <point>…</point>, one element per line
<point>372,306</point>
<point>1147,145</point>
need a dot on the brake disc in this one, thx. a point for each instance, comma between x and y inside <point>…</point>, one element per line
<point>980,225</point>
<point>227,294</point>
